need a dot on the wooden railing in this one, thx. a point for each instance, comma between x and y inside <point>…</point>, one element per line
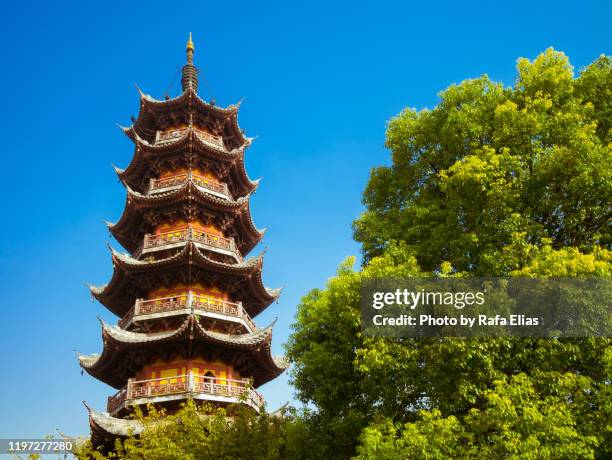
<point>167,136</point>
<point>189,234</point>
<point>206,136</point>
<point>210,184</point>
<point>114,402</point>
<point>186,383</point>
<point>167,182</point>
<point>180,179</point>
<point>187,301</point>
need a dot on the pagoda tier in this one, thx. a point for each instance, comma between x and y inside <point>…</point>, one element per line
<point>186,147</point>
<point>188,109</point>
<point>186,202</point>
<point>133,279</point>
<point>126,353</point>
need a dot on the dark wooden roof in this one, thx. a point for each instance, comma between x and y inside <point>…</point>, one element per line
<point>188,108</point>
<point>106,428</point>
<point>125,352</point>
<point>142,213</point>
<point>190,150</point>
<point>133,278</point>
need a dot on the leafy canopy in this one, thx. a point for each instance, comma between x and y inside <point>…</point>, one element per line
<point>492,181</point>
<point>200,432</point>
<point>446,397</point>
<point>491,170</point>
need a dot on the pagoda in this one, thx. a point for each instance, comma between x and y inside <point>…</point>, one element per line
<point>185,292</point>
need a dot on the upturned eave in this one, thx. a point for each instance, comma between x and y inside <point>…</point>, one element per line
<point>124,349</point>
<point>133,278</point>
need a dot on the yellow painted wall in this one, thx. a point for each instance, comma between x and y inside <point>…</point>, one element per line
<point>177,367</point>
<point>183,289</point>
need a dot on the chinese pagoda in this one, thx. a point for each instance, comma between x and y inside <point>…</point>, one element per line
<point>185,293</point>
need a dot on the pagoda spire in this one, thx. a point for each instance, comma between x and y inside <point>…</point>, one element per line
<point>190,72</point>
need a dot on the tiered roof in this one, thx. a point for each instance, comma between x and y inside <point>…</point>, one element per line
<point>142,213</point>
<point>133,278</point>
<point>105,428</point>
<point>190,149</point>
<point>188,109</point>
<point>126,352</point>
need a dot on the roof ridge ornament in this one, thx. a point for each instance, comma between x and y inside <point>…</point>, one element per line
<point>190,47</point>
<point>189,80</point>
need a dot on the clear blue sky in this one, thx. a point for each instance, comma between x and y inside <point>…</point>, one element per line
<point>319,83</point>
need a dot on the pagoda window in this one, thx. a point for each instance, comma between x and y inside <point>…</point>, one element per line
<point>209,377</point>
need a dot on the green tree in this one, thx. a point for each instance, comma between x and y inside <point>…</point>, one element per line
<point>201,432</point>
<point>493,181</point>
<point>504,396</point>
<point>491,167</point>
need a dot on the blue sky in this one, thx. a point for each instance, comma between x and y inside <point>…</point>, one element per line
<point>319,82</point>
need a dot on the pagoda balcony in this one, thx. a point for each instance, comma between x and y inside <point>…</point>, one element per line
<point>172,182</point>
<point>175,239</point>
<point>184,304</point>
<point>163,137</point>
<point>200,387</point>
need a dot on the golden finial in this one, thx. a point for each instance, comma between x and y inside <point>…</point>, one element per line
<point>190,72</point>
<point>190,45</point>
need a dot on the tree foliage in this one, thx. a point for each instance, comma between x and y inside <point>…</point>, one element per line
<point>492,167</point>
<point>201,432</point>
<point>493,181</point>
<point>446,397</point>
